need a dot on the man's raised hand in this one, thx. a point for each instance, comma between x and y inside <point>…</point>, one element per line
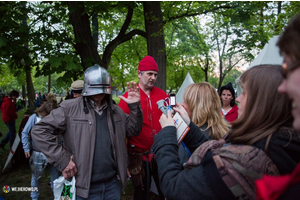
<point>133,93</point>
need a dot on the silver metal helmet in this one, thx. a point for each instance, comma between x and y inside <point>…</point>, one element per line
<point>96,81</point>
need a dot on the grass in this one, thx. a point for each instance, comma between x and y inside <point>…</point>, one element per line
<point>116,99</point>
<point>20,175</point>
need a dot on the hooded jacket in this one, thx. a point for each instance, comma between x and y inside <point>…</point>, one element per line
<point>79,133</point>
<point>8,110</point>
<point>151,115</point>
<point>232,114</point>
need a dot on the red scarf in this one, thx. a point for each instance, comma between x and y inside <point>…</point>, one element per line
<point>271,187</point>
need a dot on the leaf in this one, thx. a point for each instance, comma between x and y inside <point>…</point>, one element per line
<point>2,42</point>
<point>55,62</point>
<point>71,66</point>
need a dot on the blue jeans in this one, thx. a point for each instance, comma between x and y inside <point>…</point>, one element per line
<point>110,190</point>
<point>35,183</point>
<point>10,136</point>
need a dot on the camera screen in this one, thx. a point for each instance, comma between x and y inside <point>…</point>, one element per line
<point>172,100</point>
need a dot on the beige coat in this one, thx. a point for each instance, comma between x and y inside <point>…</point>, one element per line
<point>79,132</point>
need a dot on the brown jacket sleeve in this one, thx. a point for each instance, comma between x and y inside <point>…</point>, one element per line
<point>134,121</point>
<point>44,136</point>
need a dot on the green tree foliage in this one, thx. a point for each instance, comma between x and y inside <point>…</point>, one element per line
<point>287,11</point>
<point>50,43</point>
<point>15,37</point>
<point>237,31</point>
<point>125,60</point>
<point>232,77</point>
<point>191,52</point>
<point>228,55</point>
<point>8,77</point>
<point>54,41</point>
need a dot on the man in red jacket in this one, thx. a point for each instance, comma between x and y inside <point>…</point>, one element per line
<point>139,146</point>
<point>9,117</point>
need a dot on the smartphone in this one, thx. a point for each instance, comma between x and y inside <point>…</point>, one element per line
<point>172,99</point>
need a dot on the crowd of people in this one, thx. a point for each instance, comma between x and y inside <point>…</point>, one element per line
<point>244,147</point>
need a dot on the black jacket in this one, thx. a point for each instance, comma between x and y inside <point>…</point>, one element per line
<point>199,182</point>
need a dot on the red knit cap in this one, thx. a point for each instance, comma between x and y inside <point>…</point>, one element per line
<point>148,63</point>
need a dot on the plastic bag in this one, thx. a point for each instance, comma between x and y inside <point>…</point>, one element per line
<point>38,162</point>
<point>64,189</point>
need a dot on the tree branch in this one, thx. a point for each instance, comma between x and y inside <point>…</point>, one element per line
<point>122,37</point>
<point>225,42</point>
<point>126,22</point>
<point>118,40</point>
<point>230,68</point>
<point>187,14</point>
<point>171,41</point>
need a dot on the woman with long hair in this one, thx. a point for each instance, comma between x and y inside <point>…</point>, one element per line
<point>261,141</point>
<point>202,103</point>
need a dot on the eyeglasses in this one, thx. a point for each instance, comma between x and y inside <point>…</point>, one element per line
<point>288,69</point>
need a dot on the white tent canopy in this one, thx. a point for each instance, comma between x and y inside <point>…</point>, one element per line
<point>269,55</point>
<point>187,81</point>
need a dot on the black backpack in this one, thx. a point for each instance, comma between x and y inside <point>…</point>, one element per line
<point>19,158</point>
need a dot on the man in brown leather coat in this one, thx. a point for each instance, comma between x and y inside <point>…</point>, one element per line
<point>94,132</point>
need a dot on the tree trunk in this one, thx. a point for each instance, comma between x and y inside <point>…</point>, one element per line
<point>30,89</point>
<point>155,39</point>
<point>206,67</point>
<point>262,24</point>
<point>49,83</point>
<point>220,83</point>
<point>23,91</point>
<point>85,45</point>
<point>279,7</point>
<point>221,74</point>
<point>278,12</point>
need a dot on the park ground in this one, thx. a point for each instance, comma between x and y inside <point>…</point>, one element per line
<point>20,175</point>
